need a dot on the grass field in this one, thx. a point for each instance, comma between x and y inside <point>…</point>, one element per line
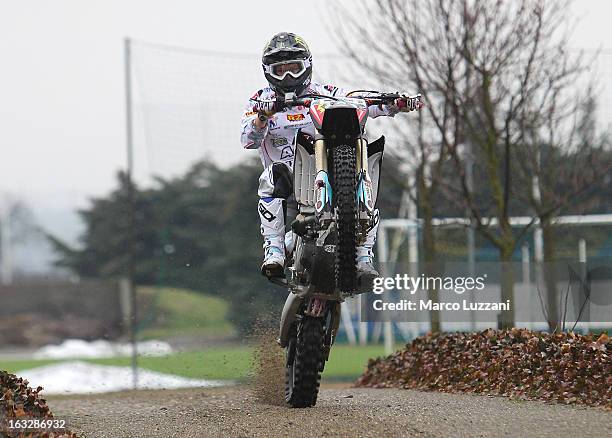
<point>168,312</point>
<point>225,363</point>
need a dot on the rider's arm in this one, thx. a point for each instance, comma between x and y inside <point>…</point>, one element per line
<point>254,131</point>
<point>382,110</point>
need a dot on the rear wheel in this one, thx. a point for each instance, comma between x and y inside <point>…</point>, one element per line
<point>304,363</point>
<point>345,201</point>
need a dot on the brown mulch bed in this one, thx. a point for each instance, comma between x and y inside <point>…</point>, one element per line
<point>563,367</point>
<point>20,402</point>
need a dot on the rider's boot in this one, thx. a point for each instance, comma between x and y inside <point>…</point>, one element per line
<point>366,273</point>
<point>274,261</point>
<point>272,219</point>
<point>365,266</point>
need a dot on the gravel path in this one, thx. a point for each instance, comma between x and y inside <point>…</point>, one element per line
<point>340,411</point>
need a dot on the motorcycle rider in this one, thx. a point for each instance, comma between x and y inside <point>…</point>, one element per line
<point>287,66</point>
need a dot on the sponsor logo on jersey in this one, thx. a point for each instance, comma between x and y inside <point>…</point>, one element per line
<point>286,153</point>
<point>331,89</point>
<point>279,141</point>
<point>295,117</point>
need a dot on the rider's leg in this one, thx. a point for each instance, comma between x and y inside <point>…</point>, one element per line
<point>365,253</point>
<point>275,186</point>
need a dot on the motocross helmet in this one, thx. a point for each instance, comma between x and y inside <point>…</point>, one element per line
<point>287,63</point>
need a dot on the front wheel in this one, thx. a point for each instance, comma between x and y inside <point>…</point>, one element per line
<point>304,363</point>
<point>345,201</point>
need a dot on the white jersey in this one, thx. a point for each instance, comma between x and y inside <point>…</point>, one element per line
<point>275,141</point>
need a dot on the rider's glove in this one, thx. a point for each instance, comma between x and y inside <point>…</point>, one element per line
<point>407,104</point>
<point>265,109</point>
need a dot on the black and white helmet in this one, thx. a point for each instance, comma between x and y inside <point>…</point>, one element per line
<point>287,63</point>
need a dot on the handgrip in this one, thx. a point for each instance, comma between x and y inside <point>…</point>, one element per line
<point>275,105</point>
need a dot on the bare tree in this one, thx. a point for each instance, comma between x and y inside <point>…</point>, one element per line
<point>563,158</point>
<point>376,38</point>
<point>492,73</point>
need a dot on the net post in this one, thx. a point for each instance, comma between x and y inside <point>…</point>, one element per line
<point>131,232</point>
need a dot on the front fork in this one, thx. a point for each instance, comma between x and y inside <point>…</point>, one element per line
<point>322,187</point>
<point>365,198</point>
<point>323,190</point>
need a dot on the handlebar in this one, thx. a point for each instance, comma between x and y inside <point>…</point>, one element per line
<point>290,100</point>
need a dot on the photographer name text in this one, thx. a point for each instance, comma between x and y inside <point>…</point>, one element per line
<point>409,305</point>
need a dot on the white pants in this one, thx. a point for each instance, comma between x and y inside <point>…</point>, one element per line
<point>275,188</point>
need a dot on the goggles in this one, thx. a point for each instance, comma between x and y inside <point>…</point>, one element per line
<point>294,67</point>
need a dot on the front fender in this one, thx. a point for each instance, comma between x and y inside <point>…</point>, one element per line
<point>288,317</point>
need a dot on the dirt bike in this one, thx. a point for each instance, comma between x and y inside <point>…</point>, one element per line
<point>335,198</point>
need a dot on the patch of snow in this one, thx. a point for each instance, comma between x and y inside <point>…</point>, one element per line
<point>80,349</point>
<point>78,377</point>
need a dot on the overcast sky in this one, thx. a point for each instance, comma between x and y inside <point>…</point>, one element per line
<point>61,82</point>
<point>62,123</point>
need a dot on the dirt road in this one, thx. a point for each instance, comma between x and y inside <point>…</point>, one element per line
<point>341,411</point>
